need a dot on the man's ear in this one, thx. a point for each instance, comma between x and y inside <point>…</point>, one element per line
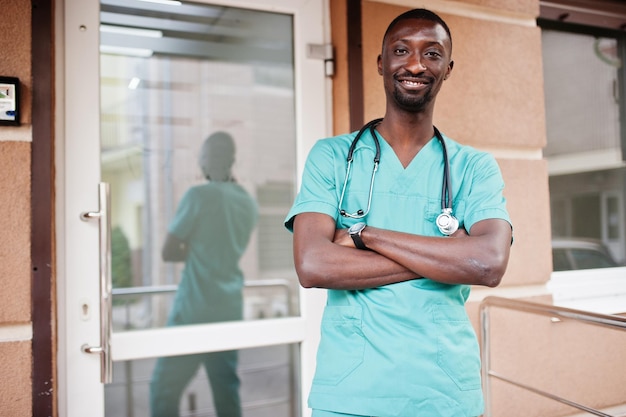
<point>450,66</point>
<point>379,62</point>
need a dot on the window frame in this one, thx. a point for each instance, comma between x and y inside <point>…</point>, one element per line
<point>601,290</point>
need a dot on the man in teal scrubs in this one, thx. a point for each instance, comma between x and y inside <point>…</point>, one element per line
<point>210,232</point>
<point>396,339</point>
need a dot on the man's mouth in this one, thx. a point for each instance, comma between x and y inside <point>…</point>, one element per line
<point>412,83</point>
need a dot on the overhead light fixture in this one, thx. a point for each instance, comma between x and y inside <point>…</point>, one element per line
<point>167,2</point>
<point>122,50</point>
<point>134,83</point>
<point>120,30</point>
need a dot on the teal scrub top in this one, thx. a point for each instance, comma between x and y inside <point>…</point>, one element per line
<point>216,221</point>
<point>406,349</point>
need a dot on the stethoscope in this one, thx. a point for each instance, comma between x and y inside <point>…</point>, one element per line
<point>446,222</point>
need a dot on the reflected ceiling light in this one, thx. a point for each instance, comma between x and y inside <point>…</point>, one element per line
<point>134,83</point>
<point>168,2</point>
<point>122,50</point>
<point>148,33</point>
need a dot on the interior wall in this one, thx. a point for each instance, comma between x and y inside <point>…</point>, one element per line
<point>15,205</point>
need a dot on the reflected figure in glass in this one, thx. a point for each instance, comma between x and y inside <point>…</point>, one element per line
<point>209,233</point>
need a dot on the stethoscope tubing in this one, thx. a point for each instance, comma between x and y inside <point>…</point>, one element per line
<point>359,214</point>
<point>446,188</point>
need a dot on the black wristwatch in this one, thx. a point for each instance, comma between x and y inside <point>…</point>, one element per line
<point>355,233</point>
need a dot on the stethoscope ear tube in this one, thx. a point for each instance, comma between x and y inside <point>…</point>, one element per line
<point>359,214</point>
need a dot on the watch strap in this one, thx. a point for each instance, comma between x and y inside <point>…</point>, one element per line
<point>355,234</point>
<point>358,242</point>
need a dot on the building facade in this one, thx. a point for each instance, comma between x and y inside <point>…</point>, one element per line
<point>538,84</point>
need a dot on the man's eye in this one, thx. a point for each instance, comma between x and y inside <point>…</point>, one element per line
<point>433,54</point>
<point>400,51</point>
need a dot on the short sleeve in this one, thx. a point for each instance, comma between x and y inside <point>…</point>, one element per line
<point>182,225</point>
<point>318,191</point>
<point>485,199</point>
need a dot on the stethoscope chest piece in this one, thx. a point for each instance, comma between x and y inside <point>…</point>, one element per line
<point>446,222</point>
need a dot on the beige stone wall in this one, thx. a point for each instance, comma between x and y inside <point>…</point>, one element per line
<point>580,362</point>
<point>15,175</point>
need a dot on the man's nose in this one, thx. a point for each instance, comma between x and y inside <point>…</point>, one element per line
<point>415,64</point>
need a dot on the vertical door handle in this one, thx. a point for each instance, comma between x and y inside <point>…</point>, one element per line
<point>104,220</point>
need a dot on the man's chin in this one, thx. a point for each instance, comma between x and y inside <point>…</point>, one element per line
<point>413,106</point>
<point>412,103</point>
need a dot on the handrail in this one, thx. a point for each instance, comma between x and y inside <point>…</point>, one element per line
<point>156,289</point>
<point>604,320</point>
<point>171,288</point>
<point>164,289</point>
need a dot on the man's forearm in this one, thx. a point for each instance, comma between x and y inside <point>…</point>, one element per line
<point>478,259</point>
<point>340,267</point>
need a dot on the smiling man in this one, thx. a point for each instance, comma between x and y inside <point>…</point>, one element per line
<point>397,221</point>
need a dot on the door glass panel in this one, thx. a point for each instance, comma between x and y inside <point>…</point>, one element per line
<point>173,75</point>
<point>261,383</point>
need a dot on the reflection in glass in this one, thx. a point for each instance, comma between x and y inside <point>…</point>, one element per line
<point>268,386</point>
<point>209,233</point>
<point>200,69</point>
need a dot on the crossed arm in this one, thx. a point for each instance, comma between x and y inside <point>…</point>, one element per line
<point>325,257</point>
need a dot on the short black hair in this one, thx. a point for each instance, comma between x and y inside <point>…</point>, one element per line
<point>423,14</point>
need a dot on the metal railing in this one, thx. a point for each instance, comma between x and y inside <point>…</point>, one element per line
<point>125,292</point>
<point>555,312</point>
<point>171,289</point>
<point>161,289</point>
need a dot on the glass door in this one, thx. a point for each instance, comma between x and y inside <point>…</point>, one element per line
<point>185,126</point>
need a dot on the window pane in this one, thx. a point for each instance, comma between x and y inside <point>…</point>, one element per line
<point>586,213</point>
<point>198,230</point>
<point>560,261</point>
<point>613,217</point>
<point>586,259</point>
<point>581,81</point>
<point>581,94</point>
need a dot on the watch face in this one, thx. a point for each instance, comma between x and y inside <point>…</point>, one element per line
<point>356,228</point>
